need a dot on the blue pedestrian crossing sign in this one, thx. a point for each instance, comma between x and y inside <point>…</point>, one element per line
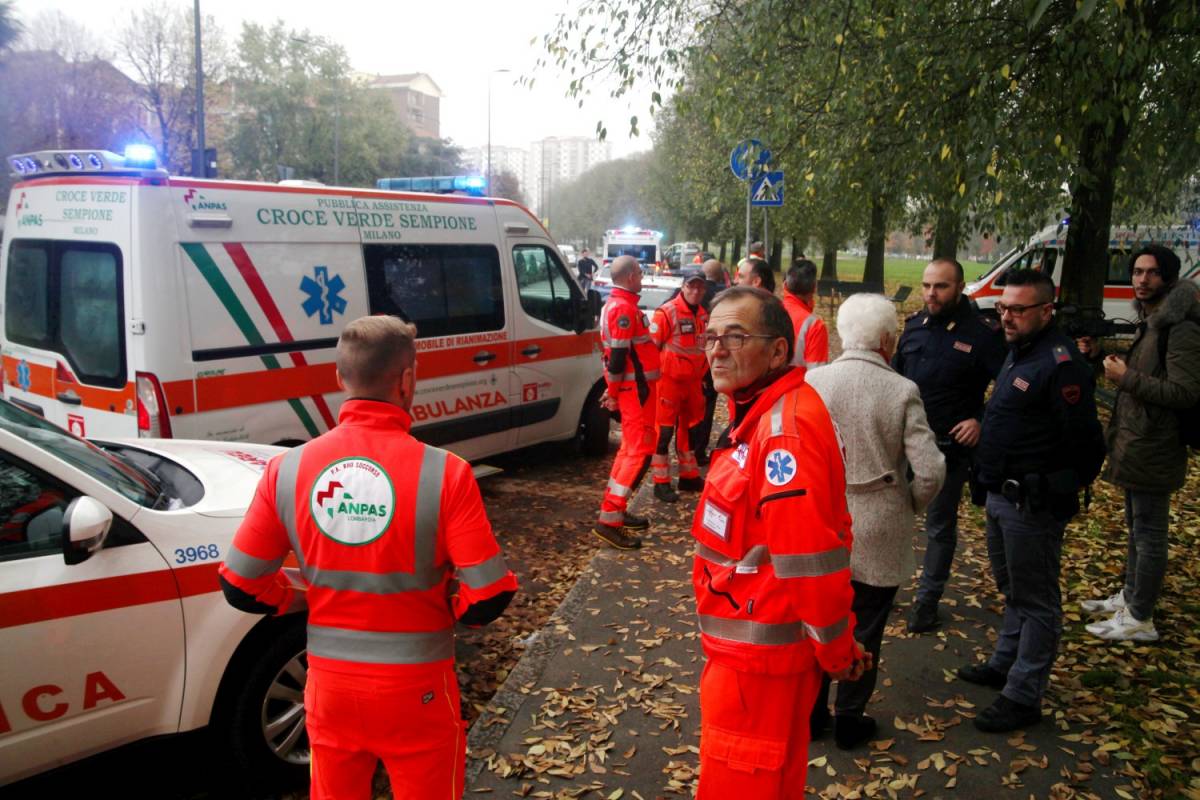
<point>767,189</point>
<point>748,159</point>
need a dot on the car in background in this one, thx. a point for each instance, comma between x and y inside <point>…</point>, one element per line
<point>656,289</point>
<point>681,254</point>
<point>569,255</point>
<point>113,626</point>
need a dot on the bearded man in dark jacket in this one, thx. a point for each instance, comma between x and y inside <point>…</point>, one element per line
<point>1156,381</point>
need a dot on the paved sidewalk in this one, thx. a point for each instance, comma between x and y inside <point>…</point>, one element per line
<point>604,703</point>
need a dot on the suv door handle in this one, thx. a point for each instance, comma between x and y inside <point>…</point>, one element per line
<point>70,398</point>
<point>483,357</point>
<point>532,350</point>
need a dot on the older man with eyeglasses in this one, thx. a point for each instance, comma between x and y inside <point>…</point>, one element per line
<point>1040,444</point>
<point>772,566</point>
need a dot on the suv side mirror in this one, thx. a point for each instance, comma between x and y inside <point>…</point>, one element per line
<point>588,311</point>
<point>85,526</point>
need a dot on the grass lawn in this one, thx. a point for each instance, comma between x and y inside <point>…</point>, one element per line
<point>900,271</point>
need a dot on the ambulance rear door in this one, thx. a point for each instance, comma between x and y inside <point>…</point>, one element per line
<point>434,261</point>
<point>66,278</point>
<point>555,367</point>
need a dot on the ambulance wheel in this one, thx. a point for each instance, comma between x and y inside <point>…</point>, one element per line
<point>265,724</point>
<point>593,426</point>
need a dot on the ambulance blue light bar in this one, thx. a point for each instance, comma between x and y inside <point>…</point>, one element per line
<point>140,160</point>
<point>473,185</point>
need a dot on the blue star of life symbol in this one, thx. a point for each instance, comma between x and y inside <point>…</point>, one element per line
<point>323,294</point>
<point>24,380</point>
<point>781,465</point>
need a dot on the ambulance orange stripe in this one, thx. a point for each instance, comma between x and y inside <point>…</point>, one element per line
<point>105,594</point>
<point>44,382</point>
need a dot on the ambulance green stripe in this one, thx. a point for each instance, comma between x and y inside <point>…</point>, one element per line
<point>216,281</point>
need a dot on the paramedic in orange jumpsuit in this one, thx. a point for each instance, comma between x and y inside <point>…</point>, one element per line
<point>631,374</point>
<point>674,328</point>
<point>393,545</point>
<point>772,565</point>
<point>812,337</point>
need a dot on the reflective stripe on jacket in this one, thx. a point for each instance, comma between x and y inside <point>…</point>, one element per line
<point>676,330</point>
<point>623,326</point>
<point>772,564</point>
<point>812,337</point>
<point>380,524</point>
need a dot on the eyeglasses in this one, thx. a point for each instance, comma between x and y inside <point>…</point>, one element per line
<point>1016,309</point>
<point>730,341</point>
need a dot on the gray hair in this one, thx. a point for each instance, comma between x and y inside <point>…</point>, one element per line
<point>864,319</point>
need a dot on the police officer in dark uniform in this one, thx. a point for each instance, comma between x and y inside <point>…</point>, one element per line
<point>951,353</point>
<point>1041,443</point>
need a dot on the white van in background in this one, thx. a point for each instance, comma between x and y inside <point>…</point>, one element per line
<point>141,304</point>
<point>1044,252</point>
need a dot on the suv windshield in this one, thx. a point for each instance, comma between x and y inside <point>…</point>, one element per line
<point>84,456</point>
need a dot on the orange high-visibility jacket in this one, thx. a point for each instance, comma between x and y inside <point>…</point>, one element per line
<point>675,329</point>
<point>628,349</point>
<point>812,337</point>
<point>382,526</point>
<point>772,566</point>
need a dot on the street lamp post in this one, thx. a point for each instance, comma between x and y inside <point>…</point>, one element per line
<point>337,110</point>
<point>489,127</point>
<point>199,162</point>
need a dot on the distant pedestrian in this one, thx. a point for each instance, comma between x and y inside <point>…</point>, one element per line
<point>1147,458</point>
<point>716,279</point>
<point>772,565</point>
<point>586,266</point>
<point>882,423</point>
<point>952,353</point>
<point>1040,445</point>
<point>756,250</point>
<point>812,338</point>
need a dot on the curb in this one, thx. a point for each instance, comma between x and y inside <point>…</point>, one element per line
<point>490,727</point>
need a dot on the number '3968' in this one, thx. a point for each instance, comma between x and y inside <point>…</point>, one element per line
<point>204,552</point>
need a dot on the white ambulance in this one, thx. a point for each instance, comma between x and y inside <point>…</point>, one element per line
<point>1044,252</point>
<point>141,304</point>
<point>641,243</point>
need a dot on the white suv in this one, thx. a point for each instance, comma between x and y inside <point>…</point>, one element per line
<point>113,627</point>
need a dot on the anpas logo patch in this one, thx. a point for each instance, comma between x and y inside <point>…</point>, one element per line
<point>353,501</point>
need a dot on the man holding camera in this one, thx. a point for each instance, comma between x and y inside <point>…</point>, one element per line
<point>952,354</point>
<point>1040,444</point>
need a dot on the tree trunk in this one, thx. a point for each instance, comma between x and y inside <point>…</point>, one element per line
<point>1085,263</point>
<point>775,257</point>
<point>946,233</point>
<point>876,240</point>
<point>829,262</point>
<point>704,246</point>
<point>721,257</point>
<point>735,256</point>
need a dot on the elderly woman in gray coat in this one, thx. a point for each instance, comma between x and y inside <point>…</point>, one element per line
<point>893,470</point>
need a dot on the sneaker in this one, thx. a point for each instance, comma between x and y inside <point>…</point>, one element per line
<point>983,675</point>
<point>636,523</point>
<point>851,730</point>
<point>691,484</point>
<point>1109,605</point>
<point>1005,715</point>
<point>664,492</point>
<point>617,537</point>
<point>1124,627</point>
<point>923,618</point>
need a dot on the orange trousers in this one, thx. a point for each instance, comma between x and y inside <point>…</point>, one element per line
<point>754,733</point>
<point>411,723</point>
<point>680,406</point>
<point>633,458</point>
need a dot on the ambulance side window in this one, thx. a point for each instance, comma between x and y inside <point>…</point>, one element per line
<point>27,294</point>
<point>443,289</point>
<point>543,286</point>
<point>31,513</point>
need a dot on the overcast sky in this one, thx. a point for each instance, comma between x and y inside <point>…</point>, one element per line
<point>457,42</point>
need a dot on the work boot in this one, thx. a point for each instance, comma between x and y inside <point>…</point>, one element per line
<point>617,537</point>
<point>1006,715</point>
<point>691,484</point>
<point>851,730</point>
<point>923,617</point>
<point>664,492</point>
<point>983,675</point>
<point>636,523</point>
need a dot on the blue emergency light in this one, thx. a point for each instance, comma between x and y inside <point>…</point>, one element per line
<point>472,185</point>
<point>140,155</point>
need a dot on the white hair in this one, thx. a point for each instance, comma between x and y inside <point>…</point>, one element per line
<point>864,319</point>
